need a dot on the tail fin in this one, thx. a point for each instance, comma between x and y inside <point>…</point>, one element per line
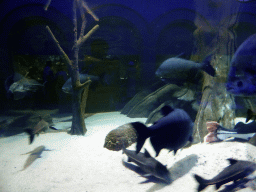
<point>142,134</point>
<point>31,135</point>
<point>201,182</point>
<point>249,115</point>
<point>207,66</point>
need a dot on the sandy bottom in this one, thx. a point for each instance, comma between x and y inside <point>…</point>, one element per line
<point>81,164</point>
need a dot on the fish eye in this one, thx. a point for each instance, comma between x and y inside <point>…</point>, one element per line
<point>239,83</point>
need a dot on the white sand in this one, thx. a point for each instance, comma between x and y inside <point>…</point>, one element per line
<point>81,164</point>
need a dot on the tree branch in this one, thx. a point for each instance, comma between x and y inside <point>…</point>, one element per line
<point>58,45</point>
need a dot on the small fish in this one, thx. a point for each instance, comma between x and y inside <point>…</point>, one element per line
<point>35,154</point>
<point>250,115</point>
<point>42,125</point>
<point>148,164</point>
<point>21,86</point>
<point>235,171</point>
<point>178,71</point>
<point>67,87</point>
<point>172,131</point>
<point>242,73</point>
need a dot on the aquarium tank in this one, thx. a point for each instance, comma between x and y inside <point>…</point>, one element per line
<point>116,95</point>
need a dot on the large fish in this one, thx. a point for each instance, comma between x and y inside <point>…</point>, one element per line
<point>21,86</point>
<point>235,171</point>
<point>242,73</point>
<point>171,131</point>
<point>67,87</point>
<point>34,155</point>
<point>148,164</point>
<point>42,125</point>
<point>178,71</point>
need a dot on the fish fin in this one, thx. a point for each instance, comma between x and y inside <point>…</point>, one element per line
<point>142,134</point>
<point>165,110</point>
<point>207,66</point>
<point>218,185</point>
<point>155,145</point>
<point>51,127</point>
<point>146,154</point>
<point>147,175</point>
<point>31,135</point>
<point>232,161</point>
<point>249,115</point>
<point>129,159</point>
<point>179,55</point>
<point>17,77</point>
<point>201,182</point>
<point>174,151</point>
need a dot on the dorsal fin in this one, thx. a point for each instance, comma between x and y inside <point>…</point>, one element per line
<point>179,55</point>
<point>146,154</point>
<point>166,110</point>
<point>232,161</point>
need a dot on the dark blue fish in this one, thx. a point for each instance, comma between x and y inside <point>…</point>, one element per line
<point>235,171</point>
<point>242,73</point>
<point>171,131</point>
<point>178,71</point>
<point>67,87</point>
<point>21,86</point>
<point>148,164</point>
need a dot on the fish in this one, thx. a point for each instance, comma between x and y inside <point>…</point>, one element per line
<point>148,164</point>
<point>34,155</point>
<point>42,125</point>
<point>172,131</point>
<point>178,71</point>
<point>21,86</point>
<point>241,79</point>
<point>237,169</point>
<point>67,87</point>
<point>250,115</point>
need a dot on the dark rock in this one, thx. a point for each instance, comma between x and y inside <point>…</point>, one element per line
<point>140,96</point>
<point>17,124</point>
<point>123,136</point>
<point>174,103</point>
<point>153,100</point>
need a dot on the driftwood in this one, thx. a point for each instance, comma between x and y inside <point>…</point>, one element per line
<point>216,103</point>
<point>80,91</point>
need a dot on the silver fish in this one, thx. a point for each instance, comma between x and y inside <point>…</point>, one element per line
<point>42,125</point>
<point>148,164</point>
<point>22,85</point>
<point>235,171</point>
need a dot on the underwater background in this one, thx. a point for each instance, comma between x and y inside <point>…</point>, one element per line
<point>92,78</point>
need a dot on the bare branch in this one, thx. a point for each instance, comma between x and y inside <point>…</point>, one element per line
<point>47,5</point>
<point>58,45</point>
<point>81,86</point>
<point>89,11</point>
<point>84,38</point>
<point>75,21</point>
<point>83,20</point>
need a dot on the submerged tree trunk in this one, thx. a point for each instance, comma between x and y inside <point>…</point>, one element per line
<point>80,91</point>
<point>216,103</point>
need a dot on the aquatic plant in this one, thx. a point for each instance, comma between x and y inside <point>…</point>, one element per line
<point>80,91</point>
